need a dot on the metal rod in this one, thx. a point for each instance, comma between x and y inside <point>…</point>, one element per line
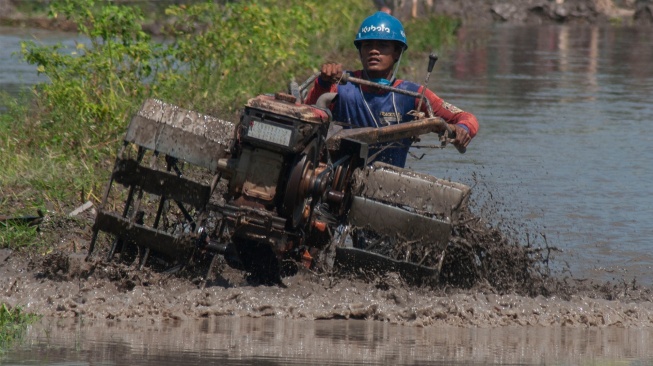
<point>433,58</point>
<point>372,84</point>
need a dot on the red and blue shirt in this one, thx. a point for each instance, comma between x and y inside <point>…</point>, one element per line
<point>363,106</point>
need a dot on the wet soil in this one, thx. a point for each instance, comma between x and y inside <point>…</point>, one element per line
<point>488,280</point>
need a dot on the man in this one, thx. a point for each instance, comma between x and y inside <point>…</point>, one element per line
<point>381,5</point>
<point>381,42</point>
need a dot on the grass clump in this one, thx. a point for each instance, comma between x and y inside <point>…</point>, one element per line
<point>17,235</point>
<point>13,322</point>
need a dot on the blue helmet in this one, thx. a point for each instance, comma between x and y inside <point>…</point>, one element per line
<point>381,26</point>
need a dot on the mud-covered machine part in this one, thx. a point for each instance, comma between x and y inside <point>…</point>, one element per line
<point>274,192</point>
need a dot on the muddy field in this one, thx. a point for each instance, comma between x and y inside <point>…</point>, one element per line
<point>505,284</point>
<point>488,280</point>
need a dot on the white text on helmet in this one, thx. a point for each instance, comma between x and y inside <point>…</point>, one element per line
<point>376,28</point>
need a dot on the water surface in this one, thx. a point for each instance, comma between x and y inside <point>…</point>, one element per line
<point>16,75</point>
<point>266,341</point>
<point>566,138</point>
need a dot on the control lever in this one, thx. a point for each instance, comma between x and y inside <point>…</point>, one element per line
<point>433,58</point>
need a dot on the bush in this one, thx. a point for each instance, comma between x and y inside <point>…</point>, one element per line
<point>12,325</point>
<point>93,88</point>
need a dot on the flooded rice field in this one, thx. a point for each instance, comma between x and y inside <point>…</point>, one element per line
<point>561,161</point>
<point>565,139</point>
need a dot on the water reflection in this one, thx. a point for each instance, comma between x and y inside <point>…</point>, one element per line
<point>565,138</point>
<point>265,341</point>
<point>16,74</point>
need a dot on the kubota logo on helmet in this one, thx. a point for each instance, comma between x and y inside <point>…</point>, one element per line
<point>375,28</point>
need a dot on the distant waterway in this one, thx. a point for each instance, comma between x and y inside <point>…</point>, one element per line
<point>15,74</point>
<point>565,145</point>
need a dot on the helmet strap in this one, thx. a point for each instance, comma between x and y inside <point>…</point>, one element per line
<point>394,72</point>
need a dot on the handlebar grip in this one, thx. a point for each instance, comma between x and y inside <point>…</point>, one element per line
<point>451,135</point>
<point>432,59</point>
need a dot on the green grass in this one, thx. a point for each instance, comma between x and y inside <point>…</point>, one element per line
<point>16,235</point>
<point>13,322</point>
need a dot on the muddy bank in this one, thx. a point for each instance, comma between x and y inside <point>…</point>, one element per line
<point>61,284</point>
<point>484,12</point>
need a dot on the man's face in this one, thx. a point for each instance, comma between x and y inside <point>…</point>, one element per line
<point>378,57</point>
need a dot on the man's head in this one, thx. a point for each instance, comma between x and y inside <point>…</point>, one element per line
<point>381,26</point>
<point>380,41</point>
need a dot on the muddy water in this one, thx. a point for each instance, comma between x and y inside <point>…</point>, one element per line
<point>15,74</point>
<point>563,153</point>
<point>247,341</point>
<point>565,143</point>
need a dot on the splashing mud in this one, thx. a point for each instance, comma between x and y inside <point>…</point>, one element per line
<point>487,280</point>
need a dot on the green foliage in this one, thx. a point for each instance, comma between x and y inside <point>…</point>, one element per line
<point>16,236</point>
<point>431,33</point>
<point>12,325</point>
<point>241,49</point>
<point>220,55</point>
<point>33,7</point>
<point>92,88</point>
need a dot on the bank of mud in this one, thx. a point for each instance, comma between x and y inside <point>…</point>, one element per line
<point>484,12</point>
<point>508,285</point>
<point>62,284</point>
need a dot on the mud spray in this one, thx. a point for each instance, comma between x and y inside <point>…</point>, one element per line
<point>490,277</point>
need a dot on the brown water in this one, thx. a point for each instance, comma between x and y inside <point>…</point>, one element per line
<point>564,153</point>
<point>267,341</point>
<point>565,145</point>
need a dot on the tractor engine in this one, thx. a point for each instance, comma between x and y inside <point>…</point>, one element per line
<point>274,177</point>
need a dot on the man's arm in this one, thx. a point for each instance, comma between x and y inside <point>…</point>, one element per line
<point>319,88</point>
<point>327,82</point>
<point>465,123</point>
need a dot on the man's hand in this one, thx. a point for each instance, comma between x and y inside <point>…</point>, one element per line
<point>331,73</point>
<point>462,136</point>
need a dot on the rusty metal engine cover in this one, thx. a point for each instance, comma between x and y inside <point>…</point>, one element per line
<point>404,187</point>
<point>401,203</point>
<point>280,105</point>
<point>191,136</point>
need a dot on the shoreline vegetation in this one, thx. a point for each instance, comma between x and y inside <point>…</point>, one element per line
<point>13,322</point>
